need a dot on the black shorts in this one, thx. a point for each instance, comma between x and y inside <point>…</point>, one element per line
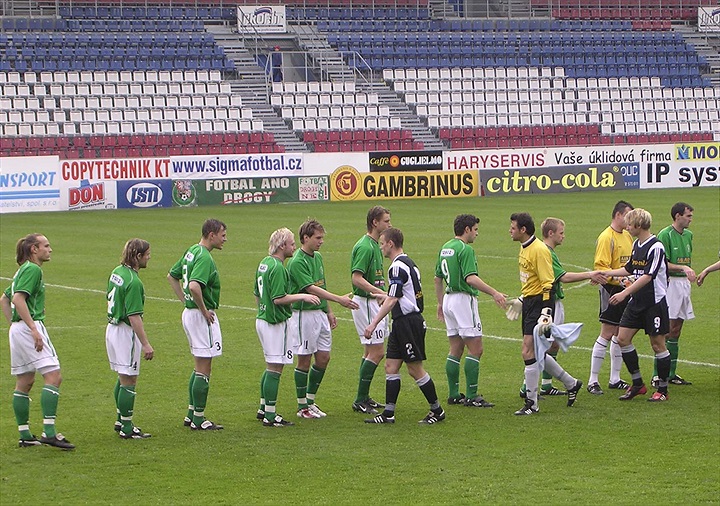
<point>407,338</point>
<point>608,313</point>
<point>654,320</point>
<point>531,308</point>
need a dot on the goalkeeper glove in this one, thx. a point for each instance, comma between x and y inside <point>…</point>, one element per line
<point>545,321</point>
<point>514,309</point>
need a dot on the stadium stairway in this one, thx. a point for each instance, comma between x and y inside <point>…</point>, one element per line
<point>252,84</point>
<point>325,58</point>
<point>398,108</point>
<point>707,45</point>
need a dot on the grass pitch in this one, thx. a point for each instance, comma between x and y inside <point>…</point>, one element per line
<point>600,451</point>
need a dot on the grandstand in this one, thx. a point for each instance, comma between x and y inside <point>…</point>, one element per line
<point>111,79</point>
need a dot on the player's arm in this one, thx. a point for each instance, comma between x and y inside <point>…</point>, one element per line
<point>19,300</point>
<point>289,298</point>
<point>360,282</point>
<point>177,288</point>
<point>343,300</point>
<point>701,277</point>
<point>136,322</point>
<point>195,289</point>
<point>633,288</point>
<point>440,294</point>
<point>385,309</point>
<point>596,277</point>
<point>6,308</point>
<point>689,272</point>
<point>475,281</point>
<point>621,272</point>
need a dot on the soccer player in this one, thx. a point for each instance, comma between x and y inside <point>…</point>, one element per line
<point>612,251</point>
<point>406,342</point>
<point>23,304</point>
<point>536,276</point>
<point>647,308</point>
<point>125,337</point>
<point>677,241</point>
<point>196,283</point>
<point>312,323</point>
<point>273,298</point>
<point>553,231</point>
<point>366,267</point>
<point>457,286</point>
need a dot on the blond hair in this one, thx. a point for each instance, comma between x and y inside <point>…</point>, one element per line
<point>639,217</point>
<point>278,238</point>
<point>550,225</point>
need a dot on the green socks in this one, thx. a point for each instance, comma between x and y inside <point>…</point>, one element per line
<point>301,385</point>
<point>452,369</point>
<point>271,385</point>
<point>126,404</point>
<point>21,407</point>
<point>49,402</point>
<point>367,370</point>
<point>200,388</point>
<point>191,406</point>
<point>472,372</point>
<point>314,380</point>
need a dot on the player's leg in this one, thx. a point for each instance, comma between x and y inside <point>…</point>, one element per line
<point>21,407</point>
<point>273,338</point>
<point>456,348</point>
<point>301,382</point>
<point>317,372</point>
<point>271,386</point>
<point>49,399</point>
<point>532,377</point>
<point>474,346</point>
<point>631,360</point>
<point>200,389</point>
<point>373,351</point>
<point>392,391</point>
<point>657,326</point>
<point>663,361</point>
<point>322,349</point>
<point>373,355</point>
<point>555,370</point>
<point>546,387</point>
<point>452,369</point>
<point>126,406</point>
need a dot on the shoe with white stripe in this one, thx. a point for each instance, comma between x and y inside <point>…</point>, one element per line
<point>319,412</point>
<point>432,418</point>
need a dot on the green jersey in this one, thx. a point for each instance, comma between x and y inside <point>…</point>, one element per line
<point>125,295</point>
<point>306,270</point>
<point>29,279</point>
<point>678,247</point>
<point>367,259</point>
<point>272,281</point>
<point>558,272</point>
<point>455,263</point>
<point>198,265</point>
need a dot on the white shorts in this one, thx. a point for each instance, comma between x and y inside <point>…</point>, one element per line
<point>678,299</point>
<point>312,330</point>
<point>24,358</point>
<point>362,317</point>
<point>559,313</point>
<point>277,341</point>
<point>123,349</point>
<point>205,340</point>
<point>461,315</point>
